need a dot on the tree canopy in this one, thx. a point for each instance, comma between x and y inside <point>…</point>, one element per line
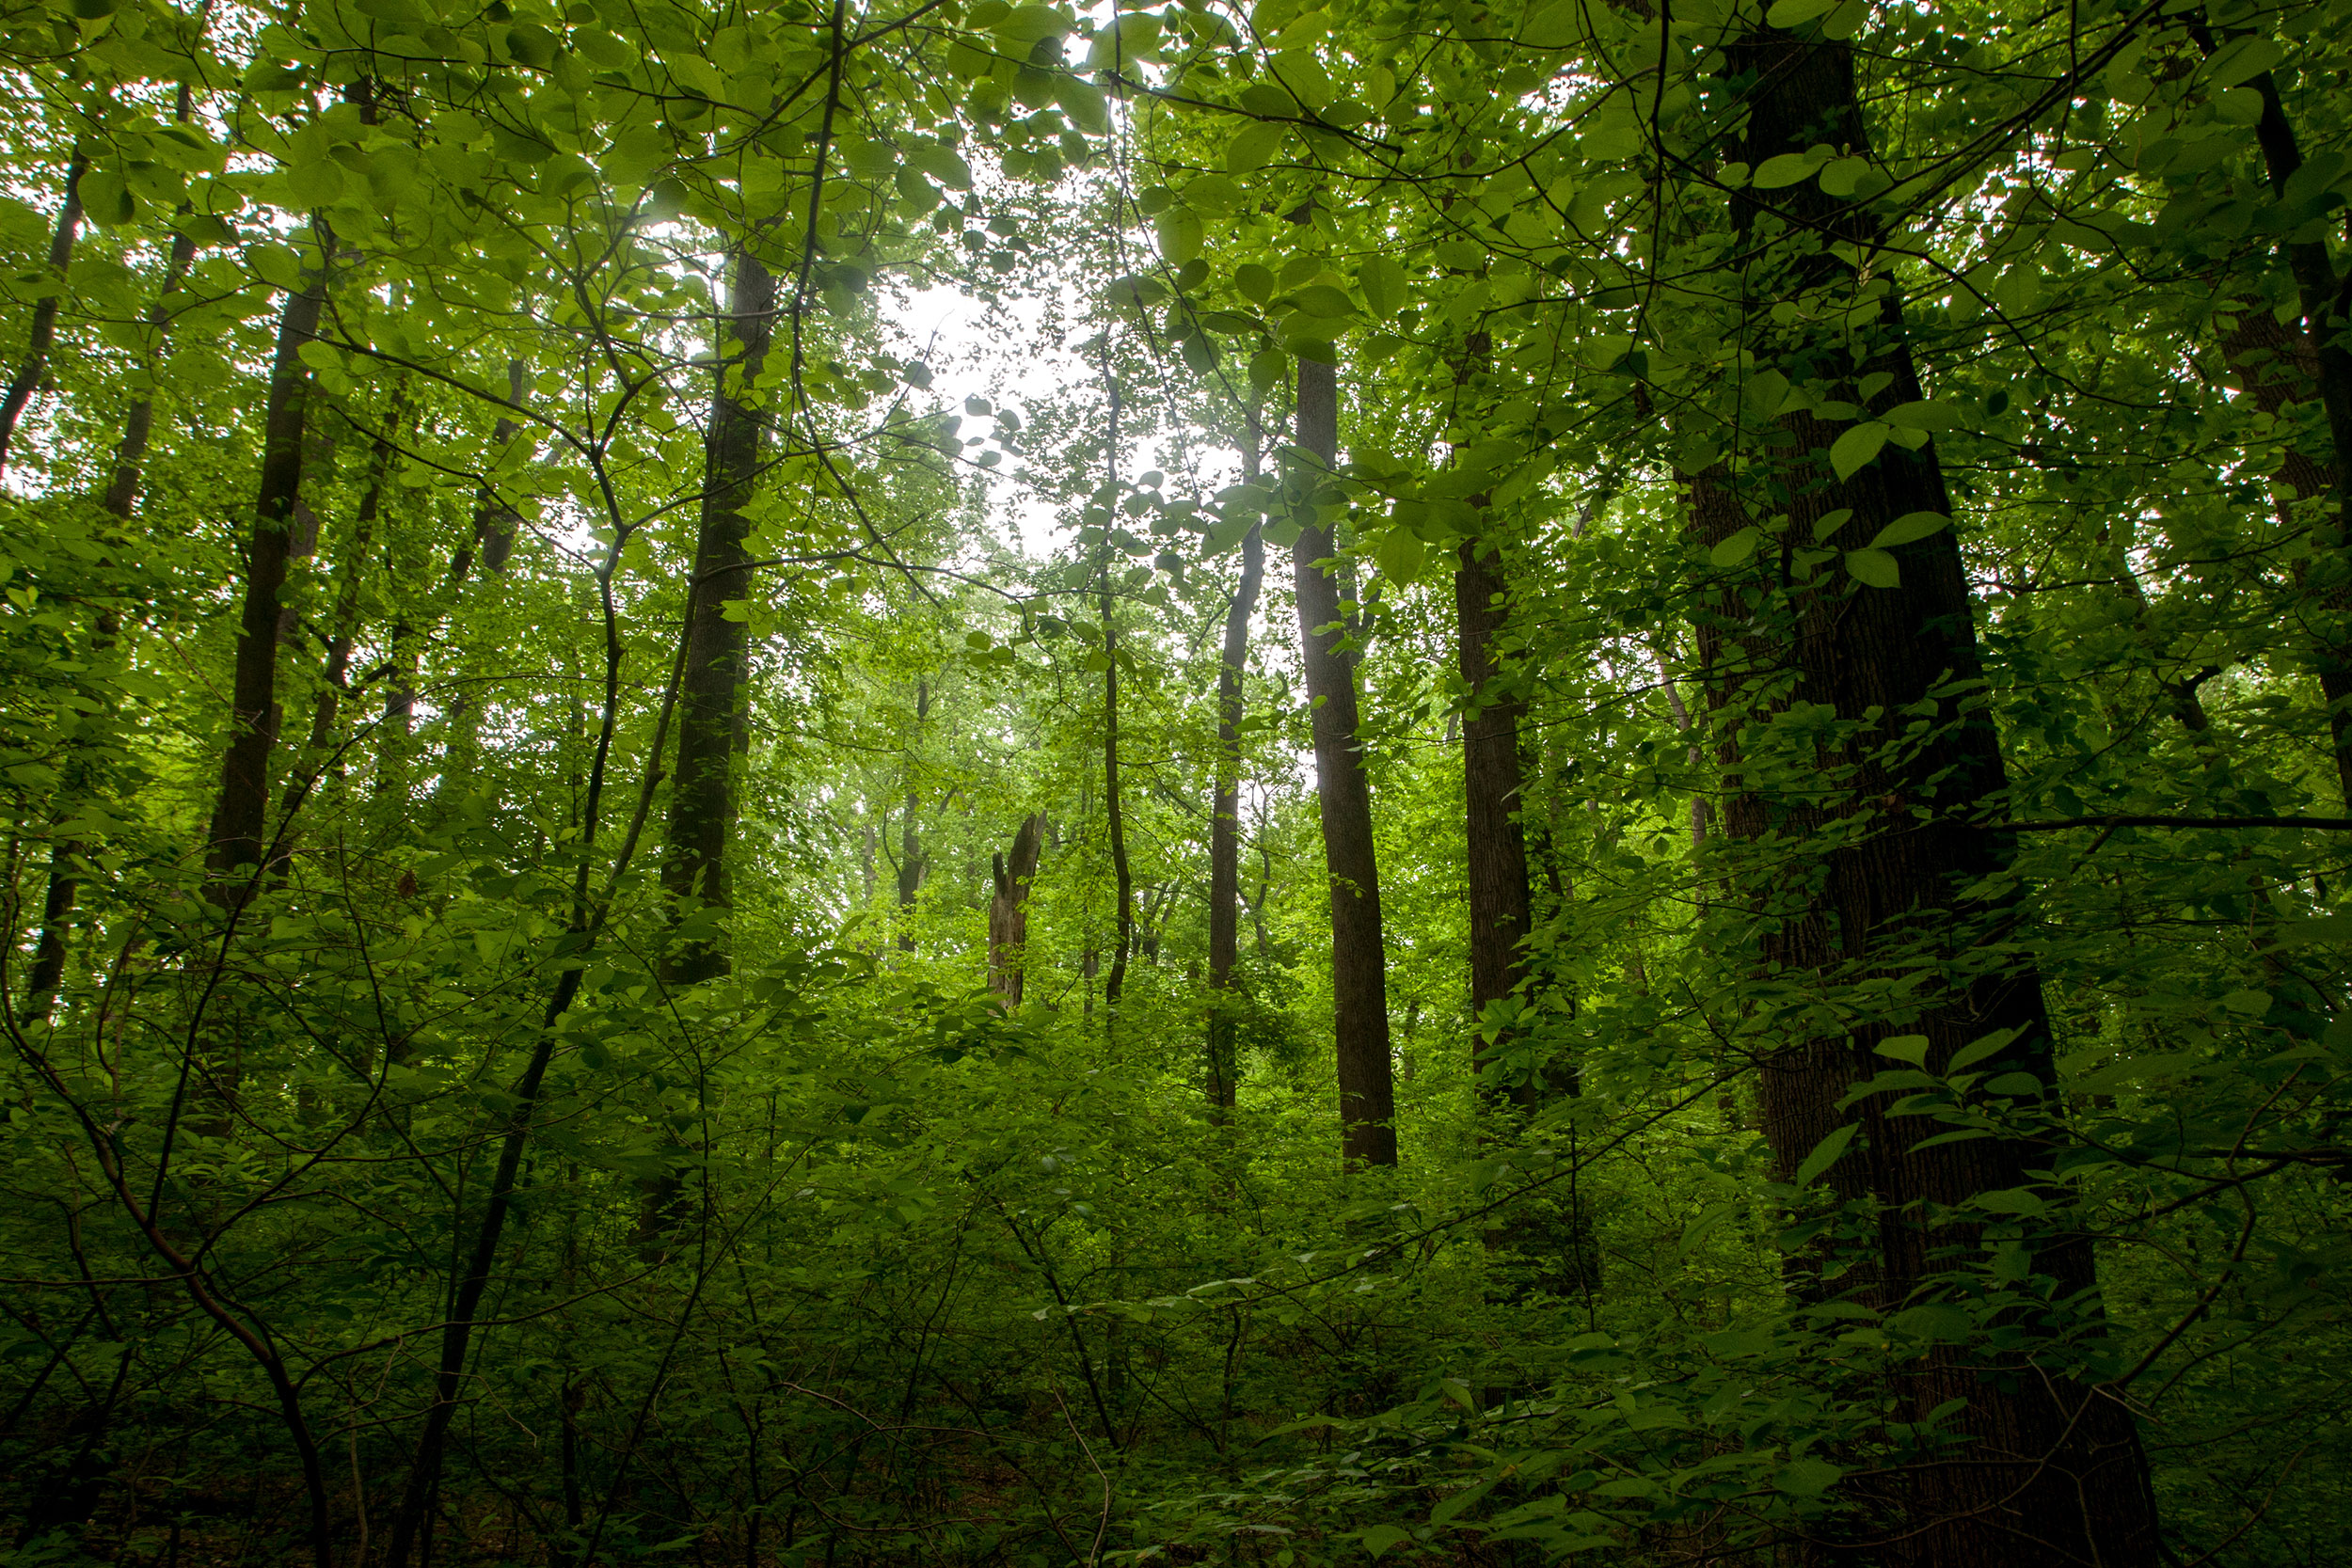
<point>1177,782</point>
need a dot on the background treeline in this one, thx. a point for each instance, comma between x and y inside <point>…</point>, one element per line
<point>1608,825</point>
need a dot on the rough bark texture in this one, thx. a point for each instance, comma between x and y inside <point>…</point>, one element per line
<point>43,333</point>
<point>1500,916</point>
<point>240,814</point>
<point>1009,911</point>
<point>1225,813</point>
<point>911,865</point>
<point>2052,1472</point>
<point>711,691</point>
<point>1343,793</point>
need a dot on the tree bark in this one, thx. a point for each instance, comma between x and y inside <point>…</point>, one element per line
<point>343,635</point>
<point>43,333</point>
<point>1225,810</point>
<point>2310,358</point>
<point>240,813</point>
<point>911,866</point>
<point>1009,911</point>
<point>1114,817</point>
<point>2053,1472</point>
<point>1343,794</point>
<point>1500,916</point>
<point>64,888</point>
<point>495,525</point>
<point>713,717</point>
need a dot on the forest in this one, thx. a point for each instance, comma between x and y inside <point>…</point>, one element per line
<point>989,785</point>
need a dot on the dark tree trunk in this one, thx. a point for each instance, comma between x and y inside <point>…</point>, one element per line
<point>240,814</point>
<point>1225,811</point>
<point>910,867</point>
<point>2052,1472</point>
<point>1114,817</point>
<point>43,333</point>
<point>1358,971</point>
<point>123,492</point>
<point>343,635</point>
<point>1499,913</point>
<point>2312,358</point>
<point>712,685</point>
<point>1008,910</point>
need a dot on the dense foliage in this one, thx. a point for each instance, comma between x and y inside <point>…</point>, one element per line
<point>982,784</point>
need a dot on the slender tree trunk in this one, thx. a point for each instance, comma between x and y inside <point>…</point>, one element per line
<point>1225,810</point>
<point>240,814</point>
<point>911,866</point>
<point>1359,969</point>
<point>2310,358</point>
<point>343,633</point>
<point>713,682</point>
<point>138,426</point>
<point>2052,1472</point>
<point>1115,821</point>
<point>1009,911</point>
<point>44,334</point>
<point>1500,916</point>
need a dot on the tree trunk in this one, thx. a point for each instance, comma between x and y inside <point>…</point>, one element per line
<point>1009,911</point>
<point>138,426</point>
<point>1225,810</point>
<point>1499,913</point>
<point>1114,818</point>
<point>711,691</point>
<point>43,333</point>
<point>240,814</point>
<point>343,635</point>
<point>910,837</point>
<point>2306,360</point>
<point>1359,975</point>
<point>2053,1472</point>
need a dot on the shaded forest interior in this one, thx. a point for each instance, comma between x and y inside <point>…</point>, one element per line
<point>834,785</point>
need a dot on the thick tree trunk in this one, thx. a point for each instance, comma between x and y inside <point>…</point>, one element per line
<point>43,333</point>
<point>1008,910</point>
<point>2052,1472</point>
<point>240,811</point>
<point>1358,968</point>
<point>1114,806</point>
<point>1225,811</point>
<point>712,690</point>
<point>1500,916</point>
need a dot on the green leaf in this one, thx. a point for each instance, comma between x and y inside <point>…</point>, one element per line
<point>1083,102</point>
<point>1029,24</point>
<point>1909,1048</point>
<point>2242,60</point>
<point>1765,393</point>
<point>1380,1538</point>
<point>1324,301</point>
<point>1215,195</point>
<point>1977,1050</point>
<point>1829,523</point>
<point>1852,450</point>
<point>1825,1154</point>
<point>1384,283</point>
<point>1733,550</point>
<point>1874,567</point>
<point>1787,169</point>
<point>1791,13</point>
<point>1909,526</point>
<point>1255,147</point>
<point>1842,177</point>
<point>1400,556</point>
<point>1808,1477</point>
<point>1254,281</point>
